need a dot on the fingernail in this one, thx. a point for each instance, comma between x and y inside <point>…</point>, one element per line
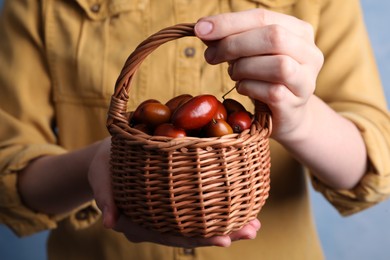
<point>255,224</point>
<point>224,243</point>
<point>204,27</point>
<point>258,227</point>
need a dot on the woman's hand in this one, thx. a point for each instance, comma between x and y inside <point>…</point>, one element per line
<point>272,57</point>
<point>99,176</point>
<point>100,180</point>
<point>136,234</point>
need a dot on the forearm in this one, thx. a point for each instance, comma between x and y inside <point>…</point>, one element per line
<point>330,146</point>
<point>57,184</point>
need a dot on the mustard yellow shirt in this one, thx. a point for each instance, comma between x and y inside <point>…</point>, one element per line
<point>58,66</point>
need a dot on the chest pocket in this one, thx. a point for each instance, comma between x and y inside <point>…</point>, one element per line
<point>87,46</point>
<point>107,26</point>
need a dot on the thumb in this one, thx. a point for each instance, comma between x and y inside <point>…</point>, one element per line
<point>220,26</point>
<point>99,176</point>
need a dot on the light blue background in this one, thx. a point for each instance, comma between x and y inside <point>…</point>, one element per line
<point>365,235</point>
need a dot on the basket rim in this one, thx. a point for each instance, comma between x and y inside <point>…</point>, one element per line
<point>150,142</point>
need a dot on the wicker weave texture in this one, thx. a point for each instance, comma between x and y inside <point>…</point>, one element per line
<point>195,187</point>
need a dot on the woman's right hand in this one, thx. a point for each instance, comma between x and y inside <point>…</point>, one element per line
<point>100,180</point>
<point>137,234</point>
<point>99,177</point>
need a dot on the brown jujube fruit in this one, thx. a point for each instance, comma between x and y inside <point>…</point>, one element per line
<point>153,114</point>
<point>136,115</point>
<point>217,128</point>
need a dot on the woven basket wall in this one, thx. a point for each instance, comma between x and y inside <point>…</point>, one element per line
<point>196,187</point>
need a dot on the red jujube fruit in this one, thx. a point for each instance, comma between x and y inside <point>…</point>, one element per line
<point>169,130</point>
<point>196,112</point>
<point>239,121</point>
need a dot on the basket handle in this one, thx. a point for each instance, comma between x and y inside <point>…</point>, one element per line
<point>119,100</point>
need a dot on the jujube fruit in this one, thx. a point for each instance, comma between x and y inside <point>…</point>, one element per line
<point>239,121</point>
<point>221,112</point>
<point>232,105</point>
<point>168,129</point>
<point>136,116</point>
<point>143,128</point>
<point>217,128</point>
<point>196,112</point>
<point>177,101</point>
<point>152,114</point>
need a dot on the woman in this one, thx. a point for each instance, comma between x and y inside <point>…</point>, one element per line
<point>60,62</point>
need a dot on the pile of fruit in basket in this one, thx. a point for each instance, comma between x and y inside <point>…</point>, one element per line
<point>187,115</point>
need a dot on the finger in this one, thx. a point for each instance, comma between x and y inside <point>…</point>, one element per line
<point>136,233</point>
<point>278,69</point>
<point>269,40</point>
<point>133,232</point>
<point>255,224</point>
<point>249,231</point>
<point>219,26</point>
<point>221,241</point>
<point>110,215</point>
<point>276,96</point>
<point>100,181</point>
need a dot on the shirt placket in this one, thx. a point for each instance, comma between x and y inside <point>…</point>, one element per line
<point>187,63</point>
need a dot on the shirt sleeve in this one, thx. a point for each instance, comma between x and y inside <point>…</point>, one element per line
<point>27,115</point>
<point>349,82</point>
<point>13,213</point>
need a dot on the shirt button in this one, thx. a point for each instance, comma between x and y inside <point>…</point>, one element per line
<point>189,52</point>
<point>82,214</point>
<point>95,8</point>
<point>188,251</point>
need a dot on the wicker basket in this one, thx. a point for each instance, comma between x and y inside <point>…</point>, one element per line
<point>195,187</point>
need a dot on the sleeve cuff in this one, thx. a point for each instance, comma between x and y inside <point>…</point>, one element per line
<point>374,187</point>
<point>24,221</point>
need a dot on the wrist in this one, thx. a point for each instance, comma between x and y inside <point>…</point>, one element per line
<point>57,184</point>
<point>300,126</point>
